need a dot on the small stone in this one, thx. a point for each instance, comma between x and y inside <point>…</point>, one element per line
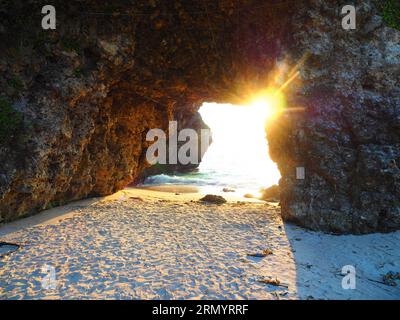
<point>390,278</point>
<point>211,198</point>
<point>274,282</point>
<point>262,254</point>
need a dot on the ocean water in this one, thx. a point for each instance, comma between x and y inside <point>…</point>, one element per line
<point>238,157</point>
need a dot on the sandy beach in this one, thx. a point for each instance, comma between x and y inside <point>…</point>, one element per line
<point>164,244</point>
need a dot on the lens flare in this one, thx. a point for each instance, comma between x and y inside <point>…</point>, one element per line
<point>268,103</point>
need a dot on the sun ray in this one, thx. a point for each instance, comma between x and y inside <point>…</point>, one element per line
<point>289,81</point>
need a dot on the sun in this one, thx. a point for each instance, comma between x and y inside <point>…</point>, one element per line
<point>239,150</point>
<point>268,103</point>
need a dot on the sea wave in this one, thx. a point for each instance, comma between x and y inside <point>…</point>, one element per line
<point>202,179</point>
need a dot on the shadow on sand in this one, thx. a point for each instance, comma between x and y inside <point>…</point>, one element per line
<point>319,259</point>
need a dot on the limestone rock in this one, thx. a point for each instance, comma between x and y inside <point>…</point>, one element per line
<point>88,93</point>
<point>347,133</point>
<point>271,194</point>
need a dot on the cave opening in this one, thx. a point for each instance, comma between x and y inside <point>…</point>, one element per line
<point>238,158</point>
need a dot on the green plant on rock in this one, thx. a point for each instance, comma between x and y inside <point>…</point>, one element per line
<point>71,45</point>
<point>391,13</point>
<point>16,83</point>
<point>78,72</point>
<point>10,122</point>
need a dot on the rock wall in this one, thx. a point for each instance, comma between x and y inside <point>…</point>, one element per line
<point>78,101</point>
<point>88,92</point>
<point>346,130</point>
<point>183,121</point>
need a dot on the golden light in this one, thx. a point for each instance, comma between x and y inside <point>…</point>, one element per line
<point>268,103</point>
<point>239,154</point>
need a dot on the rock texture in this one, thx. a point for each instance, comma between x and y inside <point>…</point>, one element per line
<point>346,130</point>
<point>271,194</point>
<point>89,91</point>
<point>83,97</point>
<point>183,120</point>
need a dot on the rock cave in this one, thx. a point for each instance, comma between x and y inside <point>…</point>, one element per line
<point>77,102</point>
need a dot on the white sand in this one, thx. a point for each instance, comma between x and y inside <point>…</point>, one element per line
<point>145,244</point>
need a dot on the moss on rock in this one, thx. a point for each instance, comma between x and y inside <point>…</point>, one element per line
<point>391,13</point>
